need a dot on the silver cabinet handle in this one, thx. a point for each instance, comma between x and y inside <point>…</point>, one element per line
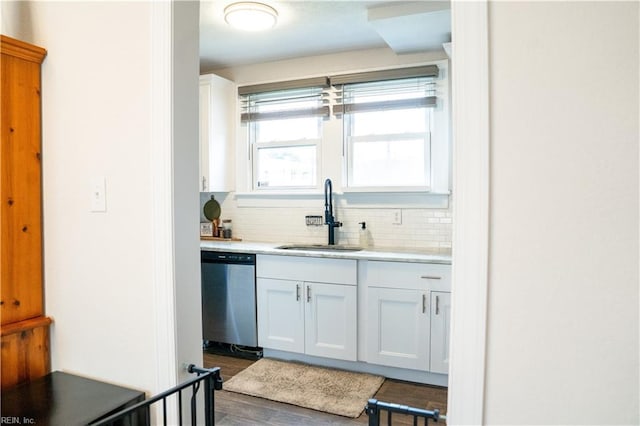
<point>424,303</point>
<point>297,292</point>
<point>437,305</point>
<point>430,277</point>
<point>204,183</point>
<point>308,294</point>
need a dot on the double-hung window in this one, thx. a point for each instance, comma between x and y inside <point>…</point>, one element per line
<point>284,123</point>
<point>388,132</point>
<point>387,127</point>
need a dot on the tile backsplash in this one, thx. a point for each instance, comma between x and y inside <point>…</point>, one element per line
<point>421,228</point>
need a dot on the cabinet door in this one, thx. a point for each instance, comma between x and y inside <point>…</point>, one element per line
<point>205,111</point>
<point>398,328</point>
<point>280,314</point>
<point>20,182</point>
<point>25,351</point>
<point>217,118</point>
<point>440,329</point>
<point>330,320</point>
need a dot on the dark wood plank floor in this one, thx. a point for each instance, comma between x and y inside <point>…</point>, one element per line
<point>237,409</point>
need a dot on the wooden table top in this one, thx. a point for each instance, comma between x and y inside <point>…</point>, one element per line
<point>64,399</point>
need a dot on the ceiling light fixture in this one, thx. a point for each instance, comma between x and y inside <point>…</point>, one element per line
<point>250,16</point>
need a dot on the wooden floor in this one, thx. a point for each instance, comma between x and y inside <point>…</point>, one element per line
<point>237,409</point>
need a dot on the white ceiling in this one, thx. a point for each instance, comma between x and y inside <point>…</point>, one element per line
<point>308,28</point>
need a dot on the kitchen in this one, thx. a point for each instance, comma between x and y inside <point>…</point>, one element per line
<point>561,219</point>
<point>411,216</point>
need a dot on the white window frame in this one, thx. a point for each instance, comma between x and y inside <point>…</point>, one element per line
<point>319,113</point>
<point>348,161</point>
<point>255,146</point>
<point>439,151</point>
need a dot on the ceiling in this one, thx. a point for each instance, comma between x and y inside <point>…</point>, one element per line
<point>309,28</point>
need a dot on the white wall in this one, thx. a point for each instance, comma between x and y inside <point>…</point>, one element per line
<point>563,289</point>
<point>321,65</point>
<point>98,120</point>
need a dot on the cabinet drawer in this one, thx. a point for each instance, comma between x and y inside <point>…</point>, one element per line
<point>416,276</point>
<point>338,271</point>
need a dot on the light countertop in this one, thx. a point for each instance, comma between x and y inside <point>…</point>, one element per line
<point>386,254</point>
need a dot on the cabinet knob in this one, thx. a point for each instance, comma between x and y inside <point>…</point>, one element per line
<point>16,302</point>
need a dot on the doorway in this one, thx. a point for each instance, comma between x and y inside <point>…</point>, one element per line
<point>471,184</point>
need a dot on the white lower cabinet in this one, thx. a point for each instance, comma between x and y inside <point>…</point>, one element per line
<point>440,329</point>
<point>310,306</point>
<point>310,317</point>
<point>408,315</point>
<point>398,328</point>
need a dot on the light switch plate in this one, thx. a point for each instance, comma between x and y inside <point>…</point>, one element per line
<point>98,194</point>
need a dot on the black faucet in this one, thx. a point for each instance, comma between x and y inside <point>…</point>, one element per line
<point>328,211</point>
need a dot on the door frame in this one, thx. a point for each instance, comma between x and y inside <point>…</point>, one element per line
<point>470,75</point>
<point>471,184</point>
<point>163,271</point>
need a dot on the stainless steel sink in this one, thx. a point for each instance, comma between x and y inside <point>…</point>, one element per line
<point>319,247</point>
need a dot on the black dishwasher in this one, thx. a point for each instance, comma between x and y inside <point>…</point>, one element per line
<point>229,298</point>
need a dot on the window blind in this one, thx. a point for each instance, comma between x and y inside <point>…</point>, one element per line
<point>385,90</point>
<point>285,100</point>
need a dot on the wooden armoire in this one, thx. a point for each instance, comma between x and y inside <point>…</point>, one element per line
<point>24,327</point>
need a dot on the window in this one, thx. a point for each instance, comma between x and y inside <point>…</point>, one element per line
<point>388,132</point>
<point>285,133</point>
<point>387,129</point>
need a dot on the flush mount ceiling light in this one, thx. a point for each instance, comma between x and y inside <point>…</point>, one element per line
<point>250,16</point>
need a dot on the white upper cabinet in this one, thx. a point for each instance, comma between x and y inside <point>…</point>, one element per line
<point>217,133</point>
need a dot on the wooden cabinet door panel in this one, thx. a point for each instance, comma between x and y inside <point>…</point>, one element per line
<point>20,187</point>
<point>24,351</point>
